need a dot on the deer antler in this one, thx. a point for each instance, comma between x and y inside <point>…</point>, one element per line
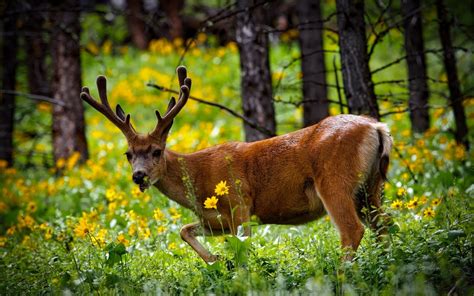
<point>118,118</point>
<point>165,122</point>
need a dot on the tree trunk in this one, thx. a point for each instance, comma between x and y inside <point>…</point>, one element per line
<point>316,105</point>
<point>418,86</point>
<point>37,47</point>
<point>136,25</point>
<point>449,58</point>
<point>68,120</point>
<point>9,63</point>
<point>256,81</point>
<point>358,86</point>
<point>171,9</point>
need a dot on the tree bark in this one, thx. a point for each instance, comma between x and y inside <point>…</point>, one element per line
<point>358,86</point>
<point>37,46</point>
<point>449,58</point>
<point>417,83</point>
<point>256,82</point>
<point>9,65</point>
<point>68,120</point>
<point>171,9</point>
<point>136,25</point>
<point>316,105</point>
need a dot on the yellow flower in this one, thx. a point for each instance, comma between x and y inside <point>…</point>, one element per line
<point>3,207</point>
<point>172,246</point>
<point>423,200</point>
<point>435,202</point>
<point>48,233</point>
<point>3,164</point>
<point>428,213</point>
<point>413,203</point>
<point>397,205</point>
<point>60,163</point>
<point>122,239</point>
<point>11,231</point>
<point>161,229</point>
<point>3,241</point>
<point>211,202</point>
<point>221,188</point>
<point>401,191</point>
<point>31,207</point>
<point>175,215</point>
<point>158,215</point>
<point>83,228</point>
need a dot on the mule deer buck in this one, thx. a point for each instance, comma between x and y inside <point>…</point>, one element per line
<point>337,167</point>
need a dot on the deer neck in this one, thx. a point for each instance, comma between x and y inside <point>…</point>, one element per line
<point>175,180</point>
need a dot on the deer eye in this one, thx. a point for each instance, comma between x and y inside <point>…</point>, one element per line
<point>156,153</point>
<point>128,155</point>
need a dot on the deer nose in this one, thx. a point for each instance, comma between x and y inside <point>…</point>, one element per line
<point>138,177</point>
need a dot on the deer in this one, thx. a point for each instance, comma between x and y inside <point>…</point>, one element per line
<point>335,167</point>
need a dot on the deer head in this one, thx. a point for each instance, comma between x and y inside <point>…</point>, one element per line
<point>145,151</point>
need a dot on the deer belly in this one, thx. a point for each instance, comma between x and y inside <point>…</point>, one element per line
<point>300,207</point>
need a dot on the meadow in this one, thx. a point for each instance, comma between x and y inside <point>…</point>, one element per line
<point>86,228</point>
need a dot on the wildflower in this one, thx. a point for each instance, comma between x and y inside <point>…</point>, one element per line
<point>3,164</point>
<point>158,215</point>
<point>3,207</point>
<point>100,237</point>
<point>161,229</point>
<point>31,207</point>
<point>428,213</point>
<point>132,229</point>
<point>423,199</point>
<point>172,246</point>
<point>123,240</point>
<point>11,231</point>
<point>48,233</point>
<point>145,233</point>
<point>435,202</point>
<point>413,203</point>
<point>60,163</point>
<point>72,160</point>
<point>3,241</point>
<point>211,202</point>
<point>83,228</point>
<point>401,191</point>
<point>221,188</point>
<point>397,205</point>
<point>136,192</point>
<point>175,215</point>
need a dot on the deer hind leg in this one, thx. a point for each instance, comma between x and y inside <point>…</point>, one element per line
<point>339,204</point>
<point>369,206</point>
<point>188,234</point>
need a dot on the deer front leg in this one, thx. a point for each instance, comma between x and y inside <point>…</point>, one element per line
<point>189,233</point>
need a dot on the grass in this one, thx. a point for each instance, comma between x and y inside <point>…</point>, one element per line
<point>90,230</point>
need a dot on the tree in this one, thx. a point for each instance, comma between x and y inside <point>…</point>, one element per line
<point>316,105</point>
<point>256,82</point>
<point>37,46</point>
<point>358,86</point>
<point>9,63</point>
<point>449,59</point>
<point>68,115</point>
<point>136,25</point>
<point>417,82</point>
<point>171,9</point>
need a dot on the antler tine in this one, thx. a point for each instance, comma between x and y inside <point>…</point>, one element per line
<point>118,118</point>
<point>174,107</point>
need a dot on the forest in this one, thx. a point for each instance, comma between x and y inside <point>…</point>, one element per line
<point>85,85</point>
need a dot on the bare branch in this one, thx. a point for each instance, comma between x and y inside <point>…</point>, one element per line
<point>222,107</point>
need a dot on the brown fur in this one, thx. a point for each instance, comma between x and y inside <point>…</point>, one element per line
<point>289,179</point>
